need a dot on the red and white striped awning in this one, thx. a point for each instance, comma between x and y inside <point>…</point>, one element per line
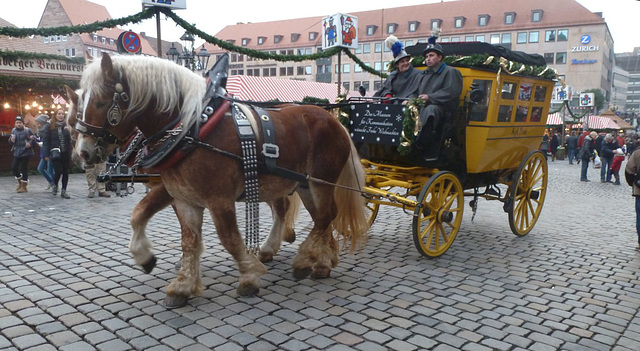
<point>599,122</point>
<point>286,90</point>
<point>554,119</point>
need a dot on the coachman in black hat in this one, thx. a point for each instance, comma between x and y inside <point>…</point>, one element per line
<point>440,89</point>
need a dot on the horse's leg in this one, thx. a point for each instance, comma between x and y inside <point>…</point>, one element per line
<point>140,246</point>
<point>187,282</point>
<point>284,211</point>
<point>224,217</point>
<point>318,254</point>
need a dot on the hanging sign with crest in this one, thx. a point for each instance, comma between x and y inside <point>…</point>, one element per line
<point>340,30</point>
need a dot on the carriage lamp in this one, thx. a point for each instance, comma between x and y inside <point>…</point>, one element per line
<point>6,105</point>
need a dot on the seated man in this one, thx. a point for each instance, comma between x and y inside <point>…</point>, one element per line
<point>440,89</point>
<point>403,82</point>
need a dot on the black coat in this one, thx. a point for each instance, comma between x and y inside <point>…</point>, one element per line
<point>53,139</point>
<point>608,149</point>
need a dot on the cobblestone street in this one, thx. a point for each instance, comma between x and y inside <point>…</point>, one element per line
<point>68,281</point>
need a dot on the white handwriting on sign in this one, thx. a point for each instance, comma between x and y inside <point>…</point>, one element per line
<point>380,125</point>
<point>372,130</point>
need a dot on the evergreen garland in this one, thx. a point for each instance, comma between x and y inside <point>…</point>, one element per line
<point>478,61</point>
<point>31,82</point>
<point>409,131</point>
<point>83,28</point>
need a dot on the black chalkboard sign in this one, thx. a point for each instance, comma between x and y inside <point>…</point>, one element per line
<point>376,123</point>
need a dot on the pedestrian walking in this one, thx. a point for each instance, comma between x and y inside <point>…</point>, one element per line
<point>572,146</point>
<point>632,177</point>
<point>45,167</point>
<point>587,154</point>
<point>23,141</point>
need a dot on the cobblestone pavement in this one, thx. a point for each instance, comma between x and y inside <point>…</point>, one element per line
<point>68,282</point>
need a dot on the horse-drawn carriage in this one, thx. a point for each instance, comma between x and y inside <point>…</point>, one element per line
<point>486,149</point>
<point>210,152</point>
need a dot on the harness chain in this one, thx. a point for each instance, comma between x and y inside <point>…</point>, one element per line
<point>251,190</point>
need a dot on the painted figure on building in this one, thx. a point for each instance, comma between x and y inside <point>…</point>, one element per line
<point>348,31</point>
<point>330,32</point>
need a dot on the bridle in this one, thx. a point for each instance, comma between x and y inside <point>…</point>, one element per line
<point>115,113</point>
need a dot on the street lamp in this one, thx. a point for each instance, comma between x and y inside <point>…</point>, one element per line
<point>188,56</point>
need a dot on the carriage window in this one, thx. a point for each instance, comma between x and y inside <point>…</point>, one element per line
<point>479,95</point>
<point>508,90</point>
<point>504,113</point>
<point>521,113</point>
<point>525,92</point>
<point>541,92</point>
<point>536,113</point>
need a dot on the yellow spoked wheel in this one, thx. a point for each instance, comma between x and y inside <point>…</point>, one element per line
<point>527,193</point>
<point>437,217</point>
<point>372,211</point>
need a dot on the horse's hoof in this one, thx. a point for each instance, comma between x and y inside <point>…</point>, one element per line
<point>150,265</point>
<point>321,272</point>
<point>301,273</point>
<point>247,290</point>
<point>265,257</point>
<point>175,301</point>
<point>290,237</point>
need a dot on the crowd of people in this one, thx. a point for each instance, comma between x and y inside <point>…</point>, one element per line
<point>53,137</point>
<point>606,151</point>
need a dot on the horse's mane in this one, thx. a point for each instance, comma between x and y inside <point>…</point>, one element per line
<point>170,85</point>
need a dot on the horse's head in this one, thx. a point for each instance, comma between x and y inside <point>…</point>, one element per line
<point>97,111</point>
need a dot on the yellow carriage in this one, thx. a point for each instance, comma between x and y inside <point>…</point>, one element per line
<point>490,144</point>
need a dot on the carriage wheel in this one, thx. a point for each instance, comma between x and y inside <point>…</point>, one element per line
<point>372,211</point>
<point>437,217</point>
<point>526,195</point>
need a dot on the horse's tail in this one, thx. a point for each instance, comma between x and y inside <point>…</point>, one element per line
<point>290,216</point>
<point>351,222</point>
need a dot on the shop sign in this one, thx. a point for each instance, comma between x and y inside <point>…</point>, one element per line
<point>40,66</point>
<point>172,4</point>
<point>583,62</point>
<point>585,48</point>
<point>587,99</point>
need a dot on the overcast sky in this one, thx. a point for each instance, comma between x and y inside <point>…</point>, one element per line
<point>211,16</point>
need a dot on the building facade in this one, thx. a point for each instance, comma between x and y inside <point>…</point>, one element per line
<point>580,46</point>
<point>630,63</point>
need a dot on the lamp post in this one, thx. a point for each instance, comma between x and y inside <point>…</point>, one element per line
<point>188,56</point>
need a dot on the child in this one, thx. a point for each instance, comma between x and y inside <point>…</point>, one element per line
<point>618,157</point>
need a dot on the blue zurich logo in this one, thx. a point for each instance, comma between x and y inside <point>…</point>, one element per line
<point>585,39</point>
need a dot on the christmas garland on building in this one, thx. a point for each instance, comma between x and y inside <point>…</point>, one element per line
<point>479,61</point>
<point>83,28</point>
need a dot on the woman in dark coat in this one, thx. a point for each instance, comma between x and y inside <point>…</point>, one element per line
<point>58,137</point>
<point>555,142</point>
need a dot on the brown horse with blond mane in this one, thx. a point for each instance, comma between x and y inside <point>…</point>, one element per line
<point>123,93</point>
